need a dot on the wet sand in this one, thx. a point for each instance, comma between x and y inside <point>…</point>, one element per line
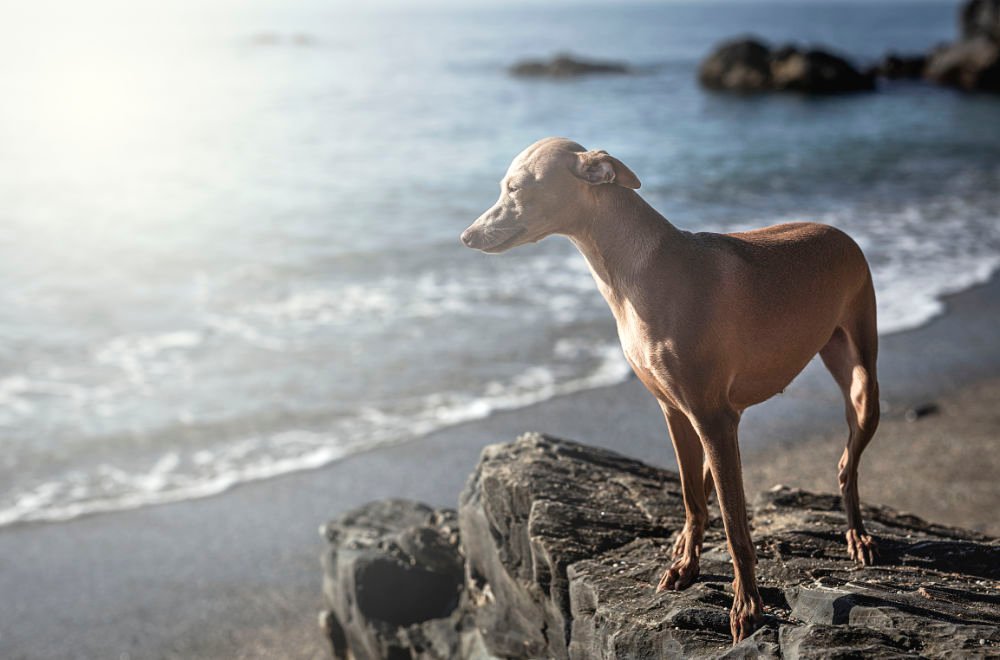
<point>237,575</point>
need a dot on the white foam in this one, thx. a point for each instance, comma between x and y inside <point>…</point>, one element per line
<point>916,260</point>
<point>235,327</point>
<point>21,397</point>
<point>910,301</point>
<point>141,356</point>
<point>172,478</point>
<point>553,283</point>
<point>64,499</point>
<point>530,387</point>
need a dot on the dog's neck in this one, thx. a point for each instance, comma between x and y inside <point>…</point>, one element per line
<point>621,238</point>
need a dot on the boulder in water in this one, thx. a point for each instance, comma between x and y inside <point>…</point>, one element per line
<point>750,65</point>
<point>565,66</point>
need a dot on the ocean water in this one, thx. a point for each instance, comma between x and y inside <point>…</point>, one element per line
<point>229,234</point>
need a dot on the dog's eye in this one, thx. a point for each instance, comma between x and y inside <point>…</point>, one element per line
<point>511,188</point>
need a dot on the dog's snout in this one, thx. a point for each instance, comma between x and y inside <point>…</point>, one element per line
<point>467,237</point>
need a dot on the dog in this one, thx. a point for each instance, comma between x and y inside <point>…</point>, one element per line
<point>711,324</point>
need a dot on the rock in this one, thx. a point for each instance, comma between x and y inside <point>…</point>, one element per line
<point>981,18</point>
<point>565,66</point>
<point>895,67</point>
<point>739,65</point>
<point>393,580</point>
<point>816,72</point>
<point>971,64</point>
<point>564,545</point>
<point>537,507</point>
<point>749,65</point>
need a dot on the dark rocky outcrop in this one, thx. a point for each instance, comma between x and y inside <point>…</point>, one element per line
<point>895,67</point>
<point>970,64</point>
<point>393,580</point>
<point>973,62</point>
<point>816,72</point>
<point>564,544</point>
<point>742,65</point>
<point>534,509</point>
<point>750,65</point>
<point>565,66</point>
<point>980,18</point>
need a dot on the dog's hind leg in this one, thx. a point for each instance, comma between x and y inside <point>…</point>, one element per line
<point>850,355</point>
<point>687,547</point>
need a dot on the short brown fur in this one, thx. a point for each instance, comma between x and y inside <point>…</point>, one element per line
<point>711,324</point>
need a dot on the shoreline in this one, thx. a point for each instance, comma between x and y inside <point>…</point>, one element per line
<point>213,489</point>
<point>921,467</point>
<point>237,574</point>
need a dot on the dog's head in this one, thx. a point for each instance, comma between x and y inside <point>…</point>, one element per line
<point>546,191</point>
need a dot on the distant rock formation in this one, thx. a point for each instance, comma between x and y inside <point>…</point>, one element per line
<point>969,64</point>
<point>895,67</point>
<point>973,62</point>
<point>565,66</point>
<point>563,545</point>
<point>739,65</point>
<point>980,18</point>
<point>750,65</point>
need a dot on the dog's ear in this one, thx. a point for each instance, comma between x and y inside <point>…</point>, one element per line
<point>597,167</point>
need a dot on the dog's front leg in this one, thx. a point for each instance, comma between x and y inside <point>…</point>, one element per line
<point>687,548</point>
<point>718,431</point>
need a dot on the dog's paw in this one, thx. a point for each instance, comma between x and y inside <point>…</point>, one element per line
<point>681,574</point>
<point>861,547</point>
<point>680,545</point>
<point>746,615</point>
<point>689,540</point>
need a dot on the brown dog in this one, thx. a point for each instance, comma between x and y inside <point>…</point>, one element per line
<point>711,324</point>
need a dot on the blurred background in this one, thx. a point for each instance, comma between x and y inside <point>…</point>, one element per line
<point>229,230</point>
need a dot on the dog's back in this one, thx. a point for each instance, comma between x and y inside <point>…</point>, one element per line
<point>786,289</point>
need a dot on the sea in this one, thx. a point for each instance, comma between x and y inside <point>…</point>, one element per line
<point>229,230</point>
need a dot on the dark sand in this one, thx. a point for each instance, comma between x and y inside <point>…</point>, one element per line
<point>237,575</point>
<point>944,467</point>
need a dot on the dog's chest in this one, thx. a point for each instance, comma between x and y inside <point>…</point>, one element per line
<point>648,356</point>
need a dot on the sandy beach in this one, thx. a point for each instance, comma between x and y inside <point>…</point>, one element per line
<point>942,467</point>
<point>237,575</point>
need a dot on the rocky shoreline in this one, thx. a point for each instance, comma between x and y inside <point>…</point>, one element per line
<point>750,65</point>
<point>972,63</point>
<point>556,549</point>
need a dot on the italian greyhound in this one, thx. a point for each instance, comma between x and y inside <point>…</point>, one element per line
<point>711,324</point>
